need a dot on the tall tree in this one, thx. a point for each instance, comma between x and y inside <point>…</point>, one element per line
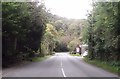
<point>23,28</point>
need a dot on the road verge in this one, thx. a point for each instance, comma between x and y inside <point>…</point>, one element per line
<point>37,59</point>
<point>105,65</point>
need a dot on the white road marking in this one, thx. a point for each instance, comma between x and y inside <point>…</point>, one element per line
<point>63,72</point>
<point>61,64</point>
<point>62,69</point>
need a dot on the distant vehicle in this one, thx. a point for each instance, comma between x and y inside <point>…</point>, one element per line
<point>85,53</point>
<point>84,49</point>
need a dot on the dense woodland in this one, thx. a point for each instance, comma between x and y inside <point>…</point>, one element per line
<point>104,31</point>
<point>23,28</point>
<point>29,30</point>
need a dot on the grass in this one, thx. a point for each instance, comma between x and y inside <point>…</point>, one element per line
<point>75,54</point>
<point>105,65</point>
<point>37,59</point>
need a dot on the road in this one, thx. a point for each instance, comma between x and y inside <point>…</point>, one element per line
<point>59,65</point>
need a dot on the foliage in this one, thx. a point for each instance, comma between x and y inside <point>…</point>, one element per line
<point>68,30</point>
<point>23,28</point>
<point>49,39</point>
<point>111,66</point>
<point>73,44</point>
<point>104,31</point>
<point>38,59</point>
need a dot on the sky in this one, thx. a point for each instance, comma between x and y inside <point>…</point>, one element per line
<point>71,9</point>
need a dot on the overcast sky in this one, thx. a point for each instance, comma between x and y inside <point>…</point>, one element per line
<point>75,9</point>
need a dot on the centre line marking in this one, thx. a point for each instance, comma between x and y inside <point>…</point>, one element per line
<point>63,72</point>
<point>61,63</point>
<point>62,69</point>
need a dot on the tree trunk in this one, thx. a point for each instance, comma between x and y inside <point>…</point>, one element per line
<point>15,43</point>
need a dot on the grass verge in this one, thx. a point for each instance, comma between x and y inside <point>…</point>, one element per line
<point>37,59</point>
<point>105,65</point>
<point>75,54</point>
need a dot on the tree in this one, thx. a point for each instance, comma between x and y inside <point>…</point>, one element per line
<point>103,31</point>
<point>49,39</point>
<point>23,28</point>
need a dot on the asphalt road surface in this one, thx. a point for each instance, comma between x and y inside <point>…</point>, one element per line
<point>59,65</point>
